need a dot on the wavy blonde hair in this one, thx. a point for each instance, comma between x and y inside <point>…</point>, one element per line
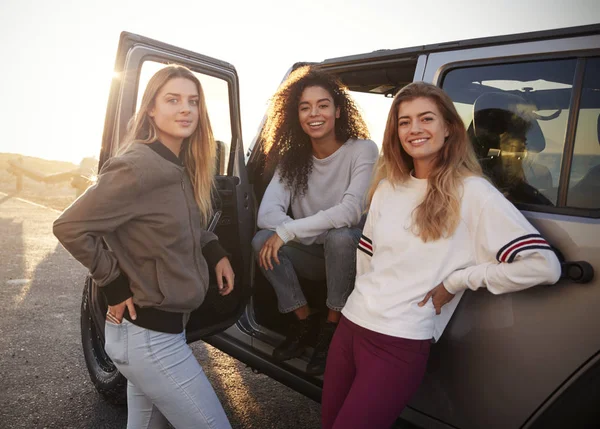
<point>201,149</point>
<point>439,213</point>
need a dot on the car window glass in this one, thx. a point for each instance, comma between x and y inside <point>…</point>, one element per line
<point>584,181</point>
<point>216,93</point>
<point>516,116</point>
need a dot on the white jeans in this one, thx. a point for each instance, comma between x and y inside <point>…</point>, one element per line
<point>165,381</point>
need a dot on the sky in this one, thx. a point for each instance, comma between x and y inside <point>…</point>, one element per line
<point>58,55</point>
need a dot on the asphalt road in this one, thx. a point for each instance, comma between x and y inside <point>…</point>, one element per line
<point>43,378</point>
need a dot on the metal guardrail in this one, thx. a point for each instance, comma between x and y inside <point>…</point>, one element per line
<point>80,177</point>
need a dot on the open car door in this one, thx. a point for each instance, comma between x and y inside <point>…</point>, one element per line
<point>138,58</point>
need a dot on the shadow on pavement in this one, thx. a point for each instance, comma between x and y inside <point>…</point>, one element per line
<point>42,371</point>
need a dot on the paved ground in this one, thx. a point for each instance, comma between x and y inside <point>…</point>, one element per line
<point>43,379</point>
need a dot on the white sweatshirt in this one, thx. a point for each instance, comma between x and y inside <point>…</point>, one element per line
<point>494,246</point>
<point>335,196</point>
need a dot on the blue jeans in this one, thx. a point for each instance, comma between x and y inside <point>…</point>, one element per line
<point>165,381</point>
<point>334,261</point>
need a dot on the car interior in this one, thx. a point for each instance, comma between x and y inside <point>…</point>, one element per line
<point>504,131</point>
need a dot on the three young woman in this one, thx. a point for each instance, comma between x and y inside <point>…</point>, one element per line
<point>150,206</point>
<point>311,211</point>
<point>435,228</point>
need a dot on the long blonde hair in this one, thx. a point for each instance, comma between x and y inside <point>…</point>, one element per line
<point>201,149</point>
<point>439,213</point>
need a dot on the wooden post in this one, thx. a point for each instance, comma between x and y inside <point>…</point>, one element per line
<point>19,161</point>
<point>19,177</point>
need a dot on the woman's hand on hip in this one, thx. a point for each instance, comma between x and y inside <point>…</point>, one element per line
<point>115,312</point>
<point>439,296</point>
<point>225,276</point>
<point>269,251</point>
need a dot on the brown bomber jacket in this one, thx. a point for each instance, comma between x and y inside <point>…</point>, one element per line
<point>143,207</point>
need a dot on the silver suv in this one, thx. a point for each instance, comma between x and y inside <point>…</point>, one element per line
<point>531,104</point>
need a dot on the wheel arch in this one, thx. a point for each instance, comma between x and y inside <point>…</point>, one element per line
<point>574,403</point>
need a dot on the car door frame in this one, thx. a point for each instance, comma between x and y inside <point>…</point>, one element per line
<point>132,52</point>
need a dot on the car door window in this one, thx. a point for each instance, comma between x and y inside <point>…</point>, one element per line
<point>584,180</point>
<point>231,197</point>
<point>216,93</point>
<point>516,115</point>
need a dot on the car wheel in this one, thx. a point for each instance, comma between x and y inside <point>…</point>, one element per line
<point>107,379</point>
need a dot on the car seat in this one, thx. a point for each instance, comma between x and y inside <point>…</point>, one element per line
<point>504,132</point>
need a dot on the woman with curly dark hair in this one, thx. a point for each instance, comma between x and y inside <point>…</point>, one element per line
<point>317,140</point>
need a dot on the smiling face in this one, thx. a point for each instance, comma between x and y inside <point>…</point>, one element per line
<point>422,131</point>
<point>175,111</point>
<point>317,113</point>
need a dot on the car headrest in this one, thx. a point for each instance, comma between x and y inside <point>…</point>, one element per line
<point>498,113</point>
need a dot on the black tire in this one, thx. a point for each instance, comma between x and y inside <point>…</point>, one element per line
<point>107,379</point>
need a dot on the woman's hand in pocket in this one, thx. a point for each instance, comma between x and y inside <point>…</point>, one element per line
<point>439,296</point>
<point>225,276</point>
<point>115,312</point>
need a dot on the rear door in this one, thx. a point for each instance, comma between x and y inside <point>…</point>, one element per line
<point>138,58</point>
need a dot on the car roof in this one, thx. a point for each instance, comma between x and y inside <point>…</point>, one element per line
<point>382,54</point>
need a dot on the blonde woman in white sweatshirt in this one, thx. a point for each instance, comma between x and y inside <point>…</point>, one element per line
<point>435,228</point>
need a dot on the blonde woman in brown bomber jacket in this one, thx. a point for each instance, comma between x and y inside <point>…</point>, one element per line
<point>149,206</point>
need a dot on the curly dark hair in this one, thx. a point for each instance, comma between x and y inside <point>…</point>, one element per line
<point>286,145</point>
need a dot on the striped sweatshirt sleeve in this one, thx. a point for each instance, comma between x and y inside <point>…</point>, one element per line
<point>366,246</point>
<point>510,253</point>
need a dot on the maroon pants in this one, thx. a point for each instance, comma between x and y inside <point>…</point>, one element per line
<point>369,377</point>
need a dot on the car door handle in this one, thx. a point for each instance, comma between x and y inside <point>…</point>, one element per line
<point>577,271</point>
